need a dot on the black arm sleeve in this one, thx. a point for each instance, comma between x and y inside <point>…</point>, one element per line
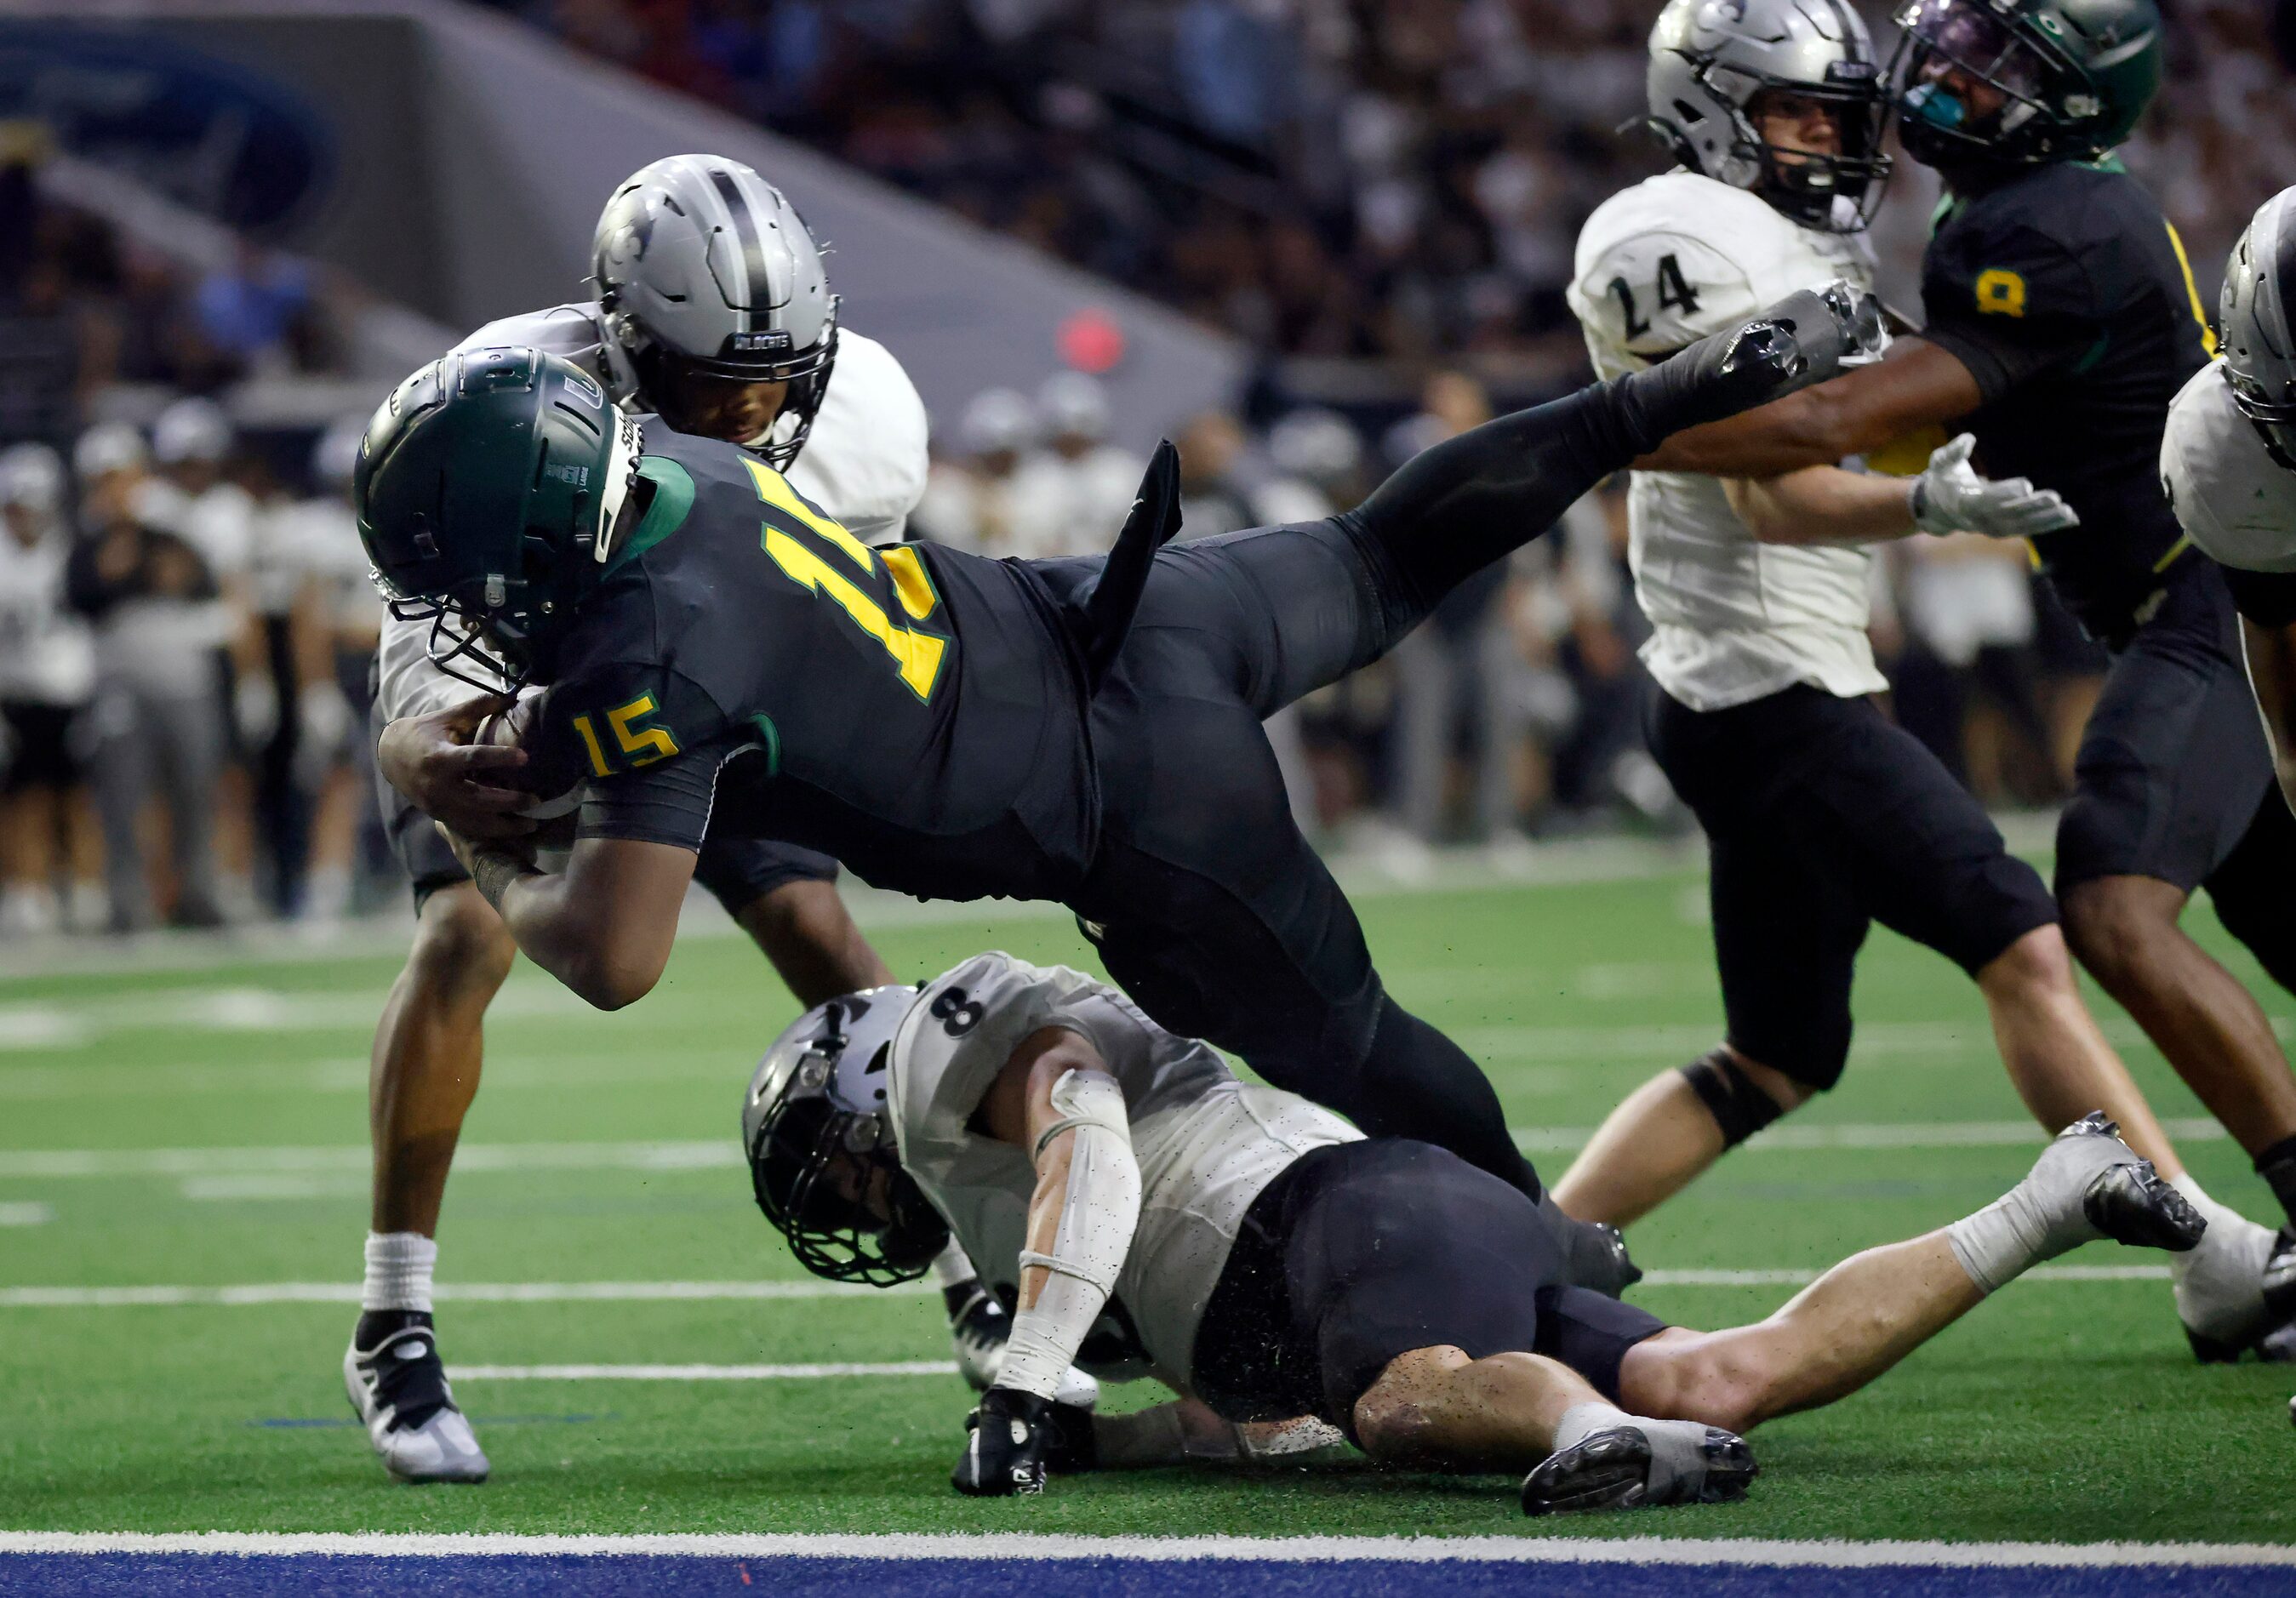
<point>666,802</point>
<point>2266,598</point>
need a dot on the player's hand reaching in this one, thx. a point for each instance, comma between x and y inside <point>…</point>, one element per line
<point>1016,1440</point>
<point>467,785</point>
<point>1950,497</point>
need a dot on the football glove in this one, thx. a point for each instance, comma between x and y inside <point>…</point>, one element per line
<point>1950,497</point>
<point>1018,1439</point>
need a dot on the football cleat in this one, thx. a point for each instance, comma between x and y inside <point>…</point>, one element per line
<point>2123,1197</point>
<point>977,1326</point>
<point>2243,1302</point>
<point>399,1389</point>
<point>1649,1464</point>
<point>1596,1257</point>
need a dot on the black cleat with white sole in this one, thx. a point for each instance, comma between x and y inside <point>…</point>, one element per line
<point>1649,1465</point>
<point>398,1385</point>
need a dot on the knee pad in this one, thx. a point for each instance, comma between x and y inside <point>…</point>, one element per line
<point>1736,1100</point>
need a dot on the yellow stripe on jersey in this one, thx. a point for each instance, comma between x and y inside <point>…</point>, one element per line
<point>918,655</point>
<point>2191,289</point>
<point>773,489</point>
<point>910,581</point>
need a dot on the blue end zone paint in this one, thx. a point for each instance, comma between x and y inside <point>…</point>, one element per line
<point>565,1576</point>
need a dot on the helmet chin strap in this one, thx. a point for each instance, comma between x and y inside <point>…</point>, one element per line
<point>621,476</point>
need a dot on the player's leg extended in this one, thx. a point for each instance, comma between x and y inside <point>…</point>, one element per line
<point>2057,1058</point>
<point>2173,779</point>
<point>1786,936</point>
<point>1454,509</point>
<point>425,1070</point>
<point>1873,1310</point>
<point>2251,894</point>
<point>1422,1300</point>
<point>1787,922</point>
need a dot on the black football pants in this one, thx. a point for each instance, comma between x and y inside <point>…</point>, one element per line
<point>1208,905</point>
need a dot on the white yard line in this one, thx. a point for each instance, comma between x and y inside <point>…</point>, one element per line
<point>813,1373</point>
<point>599,1292</point>
<point>215,1167</point>
<point>466,1292</point>
<point>31,1212</point>
<point>1321,1550</point>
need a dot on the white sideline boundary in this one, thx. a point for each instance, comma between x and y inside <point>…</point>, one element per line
<point>1017,1545</point>
<point>247,1294</point>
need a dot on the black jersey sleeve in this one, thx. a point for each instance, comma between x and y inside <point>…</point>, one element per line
<point>2009,302</point>
<point>2266,598</point>
<point>646,740</point>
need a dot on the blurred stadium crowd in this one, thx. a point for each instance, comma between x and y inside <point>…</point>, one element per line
<point>1351,188</point>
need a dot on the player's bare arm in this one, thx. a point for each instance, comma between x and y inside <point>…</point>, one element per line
<point>1916,385</point>
<point>1055,1098</point>
<point>604,925</point>
<point>1827,504</point>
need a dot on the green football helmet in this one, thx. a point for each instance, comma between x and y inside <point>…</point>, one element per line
<point>485,489</point>
<point>2018,83</point>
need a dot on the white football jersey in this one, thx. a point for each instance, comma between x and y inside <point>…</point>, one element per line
<point>863,463</point>
<point>1206,1143</point>
<point>1659,266</point>
<point>2234,500</point>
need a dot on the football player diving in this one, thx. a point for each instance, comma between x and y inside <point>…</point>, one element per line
<point>721,654</point>
<point>713,312</point>
<point>2062,320</point>
<point>1267,1261</point>
<point>1821,814</point>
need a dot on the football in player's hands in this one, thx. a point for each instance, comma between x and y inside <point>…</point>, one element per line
<point>1014,1438</point>
<point>557,793</point>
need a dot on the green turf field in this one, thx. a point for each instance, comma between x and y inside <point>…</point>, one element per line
<point>203,1125</point>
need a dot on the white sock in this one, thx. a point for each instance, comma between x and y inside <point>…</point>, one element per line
<point>952,1267</point>
<point>1582,1420</point>
<point>398,1265</point>
<point>2231,1237</point>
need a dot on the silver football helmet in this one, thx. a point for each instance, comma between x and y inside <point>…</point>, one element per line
<point>704,270</point>
<point>1708,59</point>
<point>819,1136</point>
<point>2258,312</point>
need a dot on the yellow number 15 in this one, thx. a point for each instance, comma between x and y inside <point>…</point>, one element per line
<point>643,745</point>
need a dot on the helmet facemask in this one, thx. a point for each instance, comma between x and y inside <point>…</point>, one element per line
<point>664,373</point>
<point>829,1178</point>
<point>498,632</point>
<point>1836,191</point>
<point>2041,105</point>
